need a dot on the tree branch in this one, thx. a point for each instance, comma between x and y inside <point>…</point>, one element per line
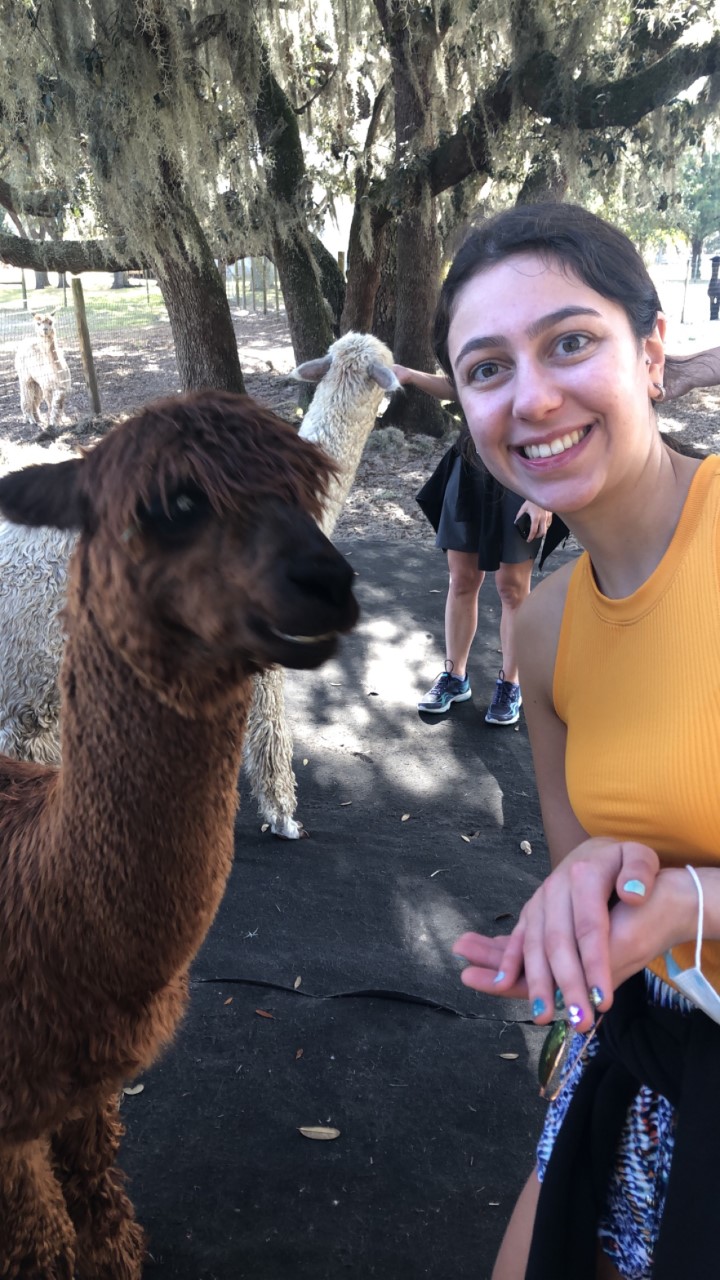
<point>39,204</point>
<point>75,256</point>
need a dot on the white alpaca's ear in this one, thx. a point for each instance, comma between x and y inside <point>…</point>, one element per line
<point>48,494</point>
<point>312,370</point>
<point>384,376</point>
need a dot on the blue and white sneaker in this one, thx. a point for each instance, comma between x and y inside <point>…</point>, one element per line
<point>506,703</point>
<point>446,690</point>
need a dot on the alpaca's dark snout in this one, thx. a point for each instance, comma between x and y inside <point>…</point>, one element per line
<point>328,578</point>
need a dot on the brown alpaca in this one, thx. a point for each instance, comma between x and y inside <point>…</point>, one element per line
<point>42,372</point>
<point>199,563</point>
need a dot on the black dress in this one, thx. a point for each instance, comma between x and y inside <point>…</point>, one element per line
<point>472,512</point>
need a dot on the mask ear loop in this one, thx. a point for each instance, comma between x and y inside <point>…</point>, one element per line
<point>701,914</point>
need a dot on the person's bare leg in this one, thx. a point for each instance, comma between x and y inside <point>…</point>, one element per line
<point>514,1252</point>
<point>512,1259</point>
<point>513,587</point>
<point>461,608</point>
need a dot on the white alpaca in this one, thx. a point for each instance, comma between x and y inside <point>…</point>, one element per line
<point>352,379</point>
<point>42,372</point>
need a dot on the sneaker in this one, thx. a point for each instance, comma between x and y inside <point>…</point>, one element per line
<point>446,690</point>
<point>506,703</point>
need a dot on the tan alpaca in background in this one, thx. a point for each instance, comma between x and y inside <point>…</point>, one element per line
<point>42,372</point>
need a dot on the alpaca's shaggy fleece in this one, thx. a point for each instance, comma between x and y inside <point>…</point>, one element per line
<point>199,562</point>
<point>33,578</point>
<point>352,380</point>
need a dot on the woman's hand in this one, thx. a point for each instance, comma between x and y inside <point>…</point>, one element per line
<point>540,520</point>
<point>562,940</point>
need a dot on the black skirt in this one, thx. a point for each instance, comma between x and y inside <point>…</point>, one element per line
<point>472,512</point>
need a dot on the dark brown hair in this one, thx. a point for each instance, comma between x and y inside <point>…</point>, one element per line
<point>598,253</point>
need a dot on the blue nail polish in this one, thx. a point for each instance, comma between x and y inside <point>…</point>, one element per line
<point>634,886</point>
<point>499,976</point>
<point>538,1007</point>
<point>575,1014</point>
<point>596,996</point>
<point>559,1000</point>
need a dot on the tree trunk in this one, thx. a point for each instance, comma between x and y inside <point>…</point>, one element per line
<point>197,305</point>
<point>385,309</point>
<point>696,256</point>
<point>120,280</point>
<point>279,136</point>
<point>42,280</point>
<point>412,41</point>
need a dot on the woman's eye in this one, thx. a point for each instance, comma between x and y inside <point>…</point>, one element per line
<point>483,372</point>
<point>572,343</point>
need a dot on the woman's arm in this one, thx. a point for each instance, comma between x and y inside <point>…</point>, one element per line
<point>562,939</point>
<point>434,384</point>
<point>686,373</point>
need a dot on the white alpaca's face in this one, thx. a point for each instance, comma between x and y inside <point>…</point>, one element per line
<point>44,325</point>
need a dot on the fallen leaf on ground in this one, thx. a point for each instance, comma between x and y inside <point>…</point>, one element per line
<point>344,803</point>
<point>132,1089</point>
<point>263,1013</point>
<point>320,1132</point>
<point>304,761</point>
<point>509,1057</point>
<point>228,1001</point>
<point>405,817</point>
<point>465,838</point>
<point>297,982</point>
<point>298,1054</point>
<point>265,826</point>
<point>526,846</point>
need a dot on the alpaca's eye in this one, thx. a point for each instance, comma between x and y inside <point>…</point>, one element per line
<point>182,513</point>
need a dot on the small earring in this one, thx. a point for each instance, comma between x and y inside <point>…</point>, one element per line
<point>660,392</point>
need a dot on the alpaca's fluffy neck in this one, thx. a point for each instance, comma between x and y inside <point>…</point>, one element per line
<point>49,348</point>
<point>142,817</point>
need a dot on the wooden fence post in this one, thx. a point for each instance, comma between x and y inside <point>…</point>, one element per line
<point>264,284</point>
<point>85,347</point>
<point>24,290</point>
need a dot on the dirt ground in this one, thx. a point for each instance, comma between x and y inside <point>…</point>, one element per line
<point>381,504</point>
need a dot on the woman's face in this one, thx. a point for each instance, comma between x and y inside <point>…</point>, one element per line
<point>555,387</point>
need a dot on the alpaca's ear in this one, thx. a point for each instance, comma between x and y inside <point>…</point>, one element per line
<point>47,494</point>
<point>312,370</point>
<point>384,377</point>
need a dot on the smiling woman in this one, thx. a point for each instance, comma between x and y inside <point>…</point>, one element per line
<point>552,333</point>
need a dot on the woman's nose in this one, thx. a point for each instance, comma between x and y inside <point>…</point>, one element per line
<point>536,392</point>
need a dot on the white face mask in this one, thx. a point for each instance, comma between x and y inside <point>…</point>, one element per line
<point>692,982</point>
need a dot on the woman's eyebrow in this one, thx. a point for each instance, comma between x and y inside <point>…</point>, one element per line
<point>533,330</point>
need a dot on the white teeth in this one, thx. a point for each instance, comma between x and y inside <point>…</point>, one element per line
<point>559,445</point>
<point>328,635</point>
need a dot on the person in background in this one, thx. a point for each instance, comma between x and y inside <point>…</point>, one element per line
<point>475,523</point>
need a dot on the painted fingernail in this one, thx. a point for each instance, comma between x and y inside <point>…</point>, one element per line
<point>574,1014</point>
<point>559,1000</point>
<point>596,996</point>
<point>499,976</point>
<point>538,1007</point>
<point>634,886</point>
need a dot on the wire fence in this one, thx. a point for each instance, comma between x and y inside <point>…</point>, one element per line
<point>129,329</point>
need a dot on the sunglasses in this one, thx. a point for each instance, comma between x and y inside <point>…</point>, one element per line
<point>557,1059</point>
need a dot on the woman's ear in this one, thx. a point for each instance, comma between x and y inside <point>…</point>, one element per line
<point>654,348</point>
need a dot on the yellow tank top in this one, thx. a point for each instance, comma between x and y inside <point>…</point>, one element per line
<point>637,682</point>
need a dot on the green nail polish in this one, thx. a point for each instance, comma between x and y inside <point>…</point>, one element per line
<point>634,886</point>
